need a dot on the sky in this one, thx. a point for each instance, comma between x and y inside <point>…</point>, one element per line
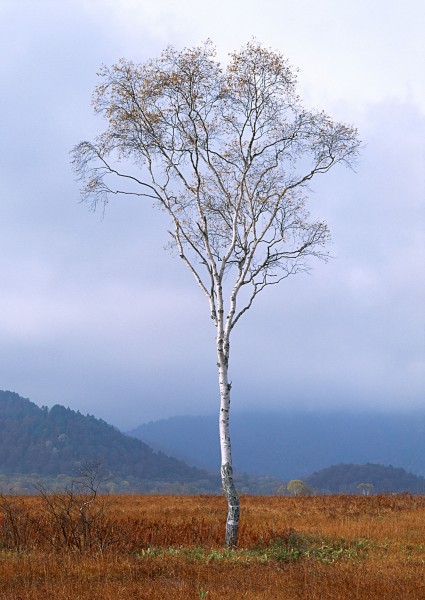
<point>96,315</point>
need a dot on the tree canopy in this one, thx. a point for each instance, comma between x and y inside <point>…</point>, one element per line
<point>227,151</point>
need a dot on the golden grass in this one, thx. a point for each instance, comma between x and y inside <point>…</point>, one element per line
<point>331,547</point>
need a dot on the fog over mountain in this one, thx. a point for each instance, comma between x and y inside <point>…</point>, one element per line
<point>294,445</point>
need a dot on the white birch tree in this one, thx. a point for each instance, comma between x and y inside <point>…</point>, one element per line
<point>228,152</point>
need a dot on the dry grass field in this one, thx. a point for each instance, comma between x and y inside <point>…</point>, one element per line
<point>159,547</point>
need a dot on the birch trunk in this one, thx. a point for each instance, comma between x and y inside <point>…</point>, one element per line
<point>233,508</point>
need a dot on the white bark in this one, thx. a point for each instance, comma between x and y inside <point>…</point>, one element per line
<point>233,507</point>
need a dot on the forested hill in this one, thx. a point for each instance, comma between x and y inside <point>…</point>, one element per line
<point>367,479</point>
<point>57,441</point>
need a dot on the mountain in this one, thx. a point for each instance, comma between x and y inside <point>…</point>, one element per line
<point>294,445</point>
<point>58,441</point>
<point>369,478</point>
<point>46,443</point>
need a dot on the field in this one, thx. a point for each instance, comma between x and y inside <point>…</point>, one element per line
<point>158,547</point>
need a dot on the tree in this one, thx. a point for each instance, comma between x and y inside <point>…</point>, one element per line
<point>365,488</point>
<point>228,152</point>
<point>298,488</point>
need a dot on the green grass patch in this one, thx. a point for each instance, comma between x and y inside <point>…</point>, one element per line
<point>288,549</point>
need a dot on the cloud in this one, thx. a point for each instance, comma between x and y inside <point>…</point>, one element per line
<point>353,332</point>
<point>95,314</point>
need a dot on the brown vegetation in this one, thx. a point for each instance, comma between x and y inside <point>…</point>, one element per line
<point>155,547</point>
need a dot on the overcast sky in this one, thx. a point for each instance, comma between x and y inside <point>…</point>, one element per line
<point>95,315</point>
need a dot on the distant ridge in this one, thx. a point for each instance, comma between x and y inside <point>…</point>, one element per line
<point>293,445</point>
<point>56,442</point>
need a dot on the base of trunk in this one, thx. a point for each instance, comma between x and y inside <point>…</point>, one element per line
<point>233,512</point>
